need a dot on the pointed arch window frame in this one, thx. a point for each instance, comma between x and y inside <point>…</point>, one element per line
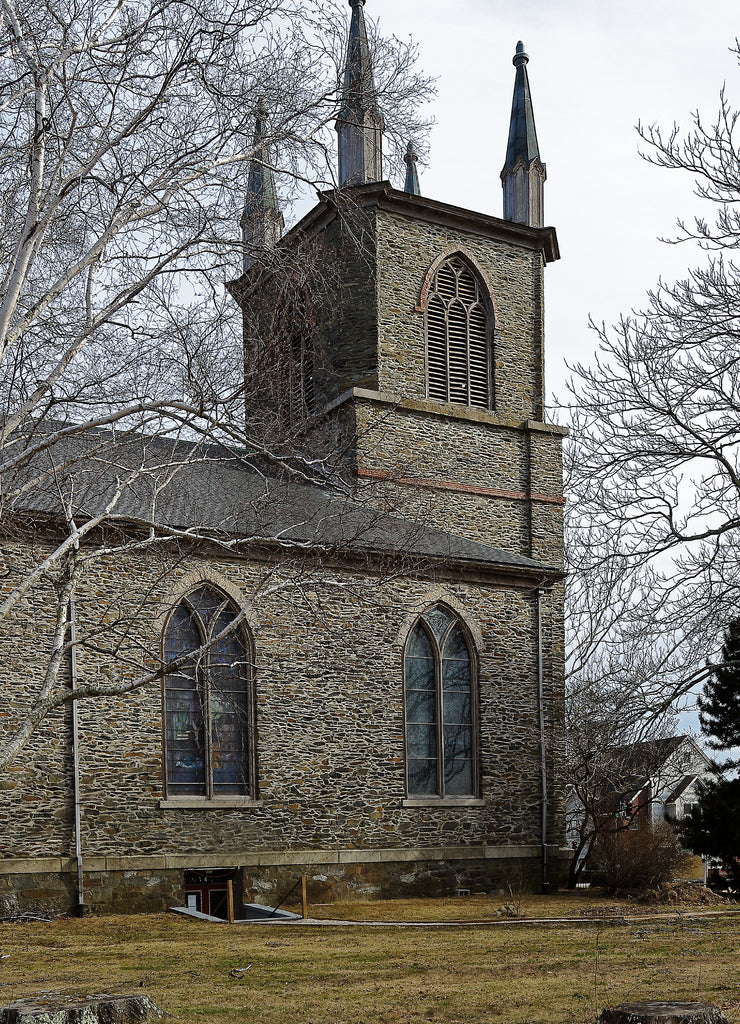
<point>212,798</point>
<point>441,797</point>
<point>492,320</point>
<point>294,322</point>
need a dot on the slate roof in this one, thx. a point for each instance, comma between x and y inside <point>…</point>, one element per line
<point>208,491</point>
<point>652,752</point>
<point>629,767</point>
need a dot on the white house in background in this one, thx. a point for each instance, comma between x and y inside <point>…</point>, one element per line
<point>668,788</point>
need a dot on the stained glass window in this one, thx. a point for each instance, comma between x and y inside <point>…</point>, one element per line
<point>207,700</point>
<point>438,670</point>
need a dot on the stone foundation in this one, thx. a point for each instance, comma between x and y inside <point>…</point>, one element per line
<point>124,892</point>
<point>151,884</point>
<point>333,883</point>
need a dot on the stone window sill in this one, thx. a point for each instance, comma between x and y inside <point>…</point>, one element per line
<point>202,803</point>
<point>437,801</point>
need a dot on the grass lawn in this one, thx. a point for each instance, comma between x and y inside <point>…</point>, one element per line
<point>321,975</point>
<point>480,907</point>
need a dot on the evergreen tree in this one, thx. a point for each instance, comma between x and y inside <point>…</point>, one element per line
<point>719,707</point>
<point>713,828</point>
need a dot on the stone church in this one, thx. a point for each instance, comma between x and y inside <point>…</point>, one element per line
<point>393,726</point>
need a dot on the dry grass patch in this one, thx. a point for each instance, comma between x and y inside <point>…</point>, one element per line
<point>483,907</point>
<point>305,975</point>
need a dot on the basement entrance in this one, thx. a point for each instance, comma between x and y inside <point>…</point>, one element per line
<point>206,892</point>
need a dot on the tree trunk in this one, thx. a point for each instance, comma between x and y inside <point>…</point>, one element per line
<point>663,1013</point>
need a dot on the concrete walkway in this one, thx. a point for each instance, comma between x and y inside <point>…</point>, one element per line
<point>674,916</point>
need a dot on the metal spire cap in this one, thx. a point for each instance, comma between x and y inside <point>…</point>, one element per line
<point>524,173</point>
<point>412,176</point>
<point>522,133</point>
<point>260,117</point>
<point>520,57</point>
<point>261,191</point>
<point>356,3</point>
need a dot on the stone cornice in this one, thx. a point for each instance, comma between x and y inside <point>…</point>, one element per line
<point>382,196</point>
<point>245,857</point>
<point>455,412</point>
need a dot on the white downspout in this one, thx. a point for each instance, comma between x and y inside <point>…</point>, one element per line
<point>543,745</point>
<point>80,908</point>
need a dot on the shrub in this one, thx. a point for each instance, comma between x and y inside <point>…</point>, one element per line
<point>642,859</point>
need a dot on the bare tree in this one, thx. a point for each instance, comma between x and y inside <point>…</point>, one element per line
<point>653,486</point>
<point>127,129</point>
<point>654,459</point>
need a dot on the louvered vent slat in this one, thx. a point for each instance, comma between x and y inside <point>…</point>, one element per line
<point>478,336</point>
<point>466,287</point>
<point>437,349</point>
<point>446,284</point>
<point>457,327</point>
<point>458,338</point>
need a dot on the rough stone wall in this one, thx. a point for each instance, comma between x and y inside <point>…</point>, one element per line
<point>365,270</point>
<point>120,891</point>
<point>350,316</point>
<point>469,472</point>
<point>329,279</point>
<point>328,679</point>
<point>553,671</point>
<point>327,883</point>
<point>494,477</point>
<point>38,785</point>
<point>329,697</point>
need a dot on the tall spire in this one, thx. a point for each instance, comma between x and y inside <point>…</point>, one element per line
<point>524,174</point>
<point>412,175</point>
<point>261,220</point>
<point>359,124</point>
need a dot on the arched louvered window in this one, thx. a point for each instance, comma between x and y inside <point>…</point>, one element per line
<point>439,686</point>
<point>459,335</point>
<point>296,362</point>
<point>300,380</point>
<point>286,369</point>
<point>208,701</point>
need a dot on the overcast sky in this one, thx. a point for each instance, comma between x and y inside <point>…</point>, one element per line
<point>595,70</point>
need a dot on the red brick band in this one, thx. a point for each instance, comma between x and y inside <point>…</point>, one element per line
<point>447,485</point>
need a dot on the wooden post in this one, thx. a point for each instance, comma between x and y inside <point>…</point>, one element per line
<point>230,900</point>
<point>304,901</point>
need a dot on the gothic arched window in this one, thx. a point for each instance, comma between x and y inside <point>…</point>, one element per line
<point>439,688</point>
<point>458,331</point>
<point>208,701</point>
<point>293,344</point>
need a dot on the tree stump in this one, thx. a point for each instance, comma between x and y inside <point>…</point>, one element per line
<point>49,1008</point>
<point>663,1013</point>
